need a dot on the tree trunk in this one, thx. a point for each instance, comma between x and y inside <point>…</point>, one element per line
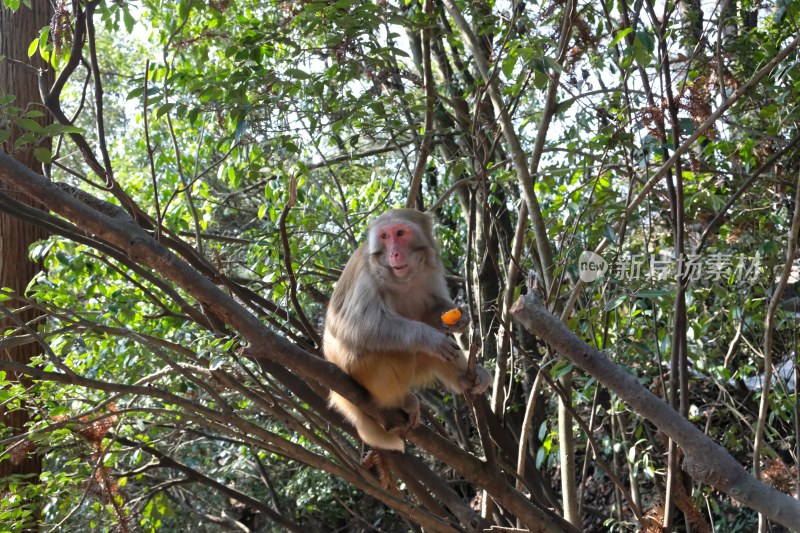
<point>17,30</point>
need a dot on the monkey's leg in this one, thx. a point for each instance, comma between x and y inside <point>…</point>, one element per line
<point>372,433</point>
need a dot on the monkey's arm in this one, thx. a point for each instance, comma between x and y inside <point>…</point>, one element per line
<point>366,323</point>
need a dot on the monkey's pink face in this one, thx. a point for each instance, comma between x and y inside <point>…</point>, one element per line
<point>397,241</point>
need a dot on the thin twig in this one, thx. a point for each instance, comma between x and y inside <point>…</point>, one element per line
<point>682,149</point>
<point>716,222</point>
<point>430,101</point>
<point>287,261</point>
<point>150,150</point>
<point>769,326</point>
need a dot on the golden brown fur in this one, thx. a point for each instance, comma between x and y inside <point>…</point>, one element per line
<point>384,327</point>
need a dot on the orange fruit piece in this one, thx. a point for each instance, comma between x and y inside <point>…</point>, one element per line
<point>451,317</point>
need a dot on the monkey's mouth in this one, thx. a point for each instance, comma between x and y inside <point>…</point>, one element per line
<point>400,270</point>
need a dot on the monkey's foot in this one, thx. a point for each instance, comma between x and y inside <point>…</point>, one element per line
<point>376,461</point>
<point>479,383</point>
<point>411,408</point>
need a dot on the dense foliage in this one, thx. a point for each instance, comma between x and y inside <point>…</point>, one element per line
<point>663,136</point>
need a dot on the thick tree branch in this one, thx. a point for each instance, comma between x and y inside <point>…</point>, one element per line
<point>705,460</point>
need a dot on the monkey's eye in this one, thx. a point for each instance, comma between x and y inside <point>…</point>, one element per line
<point>384,235</point>
<point>401,232</point>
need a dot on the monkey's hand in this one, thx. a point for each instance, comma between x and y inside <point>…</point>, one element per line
<point>481,382</point>
<point>445,348</point>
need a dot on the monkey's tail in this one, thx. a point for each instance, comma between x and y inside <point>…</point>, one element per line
<point>370,431</point>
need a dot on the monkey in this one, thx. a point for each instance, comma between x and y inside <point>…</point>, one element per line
<point>383,325</point>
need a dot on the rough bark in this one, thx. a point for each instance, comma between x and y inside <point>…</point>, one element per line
<point>17,30</point>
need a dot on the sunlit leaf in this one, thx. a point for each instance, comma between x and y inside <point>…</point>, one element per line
<point>620,35</point>
<point>33,47</point>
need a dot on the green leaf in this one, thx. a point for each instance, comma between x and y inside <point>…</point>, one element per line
<point>616,302</point>
<point>57,411</point>
<point>44,36</point>
<point>646,39</point>
<point>620,35</point>
<point>643,46</point>
<point>43,155</point>
<point>233,177</point>
<point>6,99</point>
<point>509,63</point>
<point>32,47</point>
<point>654,294</point>
<point>30,125</point>
<point>297,74</point>
<point>561,369</point>
<point>52,130</point>
<point>183,9</point>
<point>378,107</point>
<point>26,138</point>
<point>128,19</point>
<point>164,109</point>
<point>291,147</point>
<point>13,5</point>
<point>631,454</point>
<point>4,135</point>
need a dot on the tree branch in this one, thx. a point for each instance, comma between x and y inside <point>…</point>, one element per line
<point>705,460</point>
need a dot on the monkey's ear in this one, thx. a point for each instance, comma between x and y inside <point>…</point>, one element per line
<point>428,222</point>
<point>372,243</point>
